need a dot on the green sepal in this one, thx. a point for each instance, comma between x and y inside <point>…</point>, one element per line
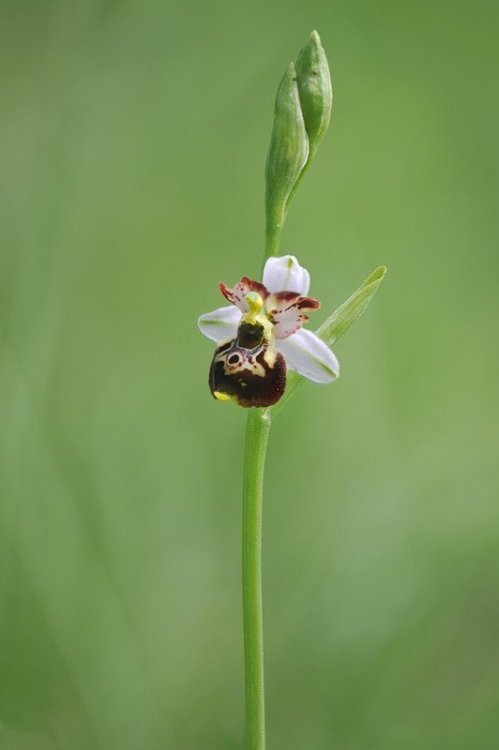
<point>315,91</point>
<point>337,325</point>
<point>288,152</point>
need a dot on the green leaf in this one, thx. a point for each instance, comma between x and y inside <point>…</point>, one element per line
<point>336,326</point>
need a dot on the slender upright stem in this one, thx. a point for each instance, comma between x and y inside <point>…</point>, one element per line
<point>275,218</point>
<point>257,433</point>
<point>272,239</point>
<point>255,451</point>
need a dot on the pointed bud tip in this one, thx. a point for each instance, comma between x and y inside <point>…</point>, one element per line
<point>312,53</point>
<point>288,81</point>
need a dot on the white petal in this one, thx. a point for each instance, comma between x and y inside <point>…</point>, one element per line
<point>285,274</point>
<point>310,356</point>
<point>220,324</point>
<point>285,311</point>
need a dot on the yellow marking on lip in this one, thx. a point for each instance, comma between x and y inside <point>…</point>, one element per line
<point>222,396</point>
<point>270,357</point>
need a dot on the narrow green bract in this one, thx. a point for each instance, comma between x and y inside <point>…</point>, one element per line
<point>346,314</point>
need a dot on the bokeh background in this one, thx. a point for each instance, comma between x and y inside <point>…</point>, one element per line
<point>133,138</point>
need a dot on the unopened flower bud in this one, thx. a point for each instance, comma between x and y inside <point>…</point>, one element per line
<point>314,86</point>
<point>288,150</point>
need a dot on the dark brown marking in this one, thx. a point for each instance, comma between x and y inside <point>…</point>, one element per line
<point>243,384</point>
<point>249,335</point>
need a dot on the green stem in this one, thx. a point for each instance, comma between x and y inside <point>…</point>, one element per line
<point>273,232</point>
<point>257,434</point>
<point>275,221</point>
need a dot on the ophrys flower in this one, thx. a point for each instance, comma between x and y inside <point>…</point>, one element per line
<point>260,336</point>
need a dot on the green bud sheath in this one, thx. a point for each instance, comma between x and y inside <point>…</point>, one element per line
<point>287,155</point>
<point>314,86</point>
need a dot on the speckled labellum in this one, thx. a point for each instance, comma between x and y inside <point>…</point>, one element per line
<point>247,369</point>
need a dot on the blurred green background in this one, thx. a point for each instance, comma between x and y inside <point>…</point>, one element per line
<point>133,138</point>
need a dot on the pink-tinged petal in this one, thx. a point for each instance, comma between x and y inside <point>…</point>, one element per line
<point>286,311</point>
<point>310,356</point>
<point>221,324</point>
<point>238,293</point>
<point>286,274</point>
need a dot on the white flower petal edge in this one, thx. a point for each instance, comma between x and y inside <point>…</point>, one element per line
<point>221,324</point>
<point>285,274</point>
<point>310,356</point>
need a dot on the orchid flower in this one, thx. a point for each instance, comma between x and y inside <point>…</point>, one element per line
<point>260,336</point>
